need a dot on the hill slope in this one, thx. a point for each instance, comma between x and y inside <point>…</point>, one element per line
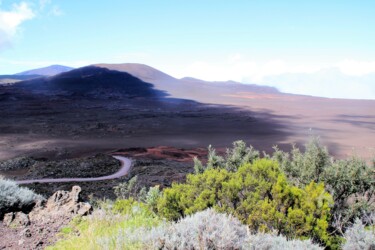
<point>189,88</point>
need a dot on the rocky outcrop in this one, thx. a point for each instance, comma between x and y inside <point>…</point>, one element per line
<point>61,204</point>
<point>36,229</point>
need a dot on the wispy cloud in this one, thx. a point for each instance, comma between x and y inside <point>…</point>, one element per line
<point>55,11</point>
<point>10,21</point>
<point>44,3</point>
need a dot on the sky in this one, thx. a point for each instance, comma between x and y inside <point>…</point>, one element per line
<point>319,47</point>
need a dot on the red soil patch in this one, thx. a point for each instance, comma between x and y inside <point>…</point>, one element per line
<point>164,152</point>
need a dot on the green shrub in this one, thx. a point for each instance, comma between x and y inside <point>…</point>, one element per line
<point>132,191</point>
<point>124,206</point>
<point>349,181</point>
<point>259,195</point>
<point>304,167</point>
<point>15,198</point>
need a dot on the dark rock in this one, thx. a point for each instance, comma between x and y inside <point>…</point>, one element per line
<point>26,233</point>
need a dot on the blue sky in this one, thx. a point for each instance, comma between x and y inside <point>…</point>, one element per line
<point>248,40</point>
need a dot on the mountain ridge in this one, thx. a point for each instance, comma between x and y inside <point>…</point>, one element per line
<point>51,70</point>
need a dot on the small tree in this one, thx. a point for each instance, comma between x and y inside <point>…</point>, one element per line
<point>214,160</point>
<point>153,195</point>
<point>127,189</point>
<point>239,155</point>
<point>236,156</point>
<point>198,166</point>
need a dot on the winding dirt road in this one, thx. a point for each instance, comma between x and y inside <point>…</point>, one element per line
<point>125,167</point>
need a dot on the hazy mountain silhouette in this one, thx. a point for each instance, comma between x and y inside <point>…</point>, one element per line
<point>47,71</point>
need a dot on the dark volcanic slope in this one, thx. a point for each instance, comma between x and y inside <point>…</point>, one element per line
<point>96,108</point>
<point>92,109</point>
<point>91,81</point>
<point>47,71</point>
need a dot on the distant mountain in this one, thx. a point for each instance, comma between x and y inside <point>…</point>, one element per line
<point>47,71</point>
<point>91,81</point>
<point>134,80</point>
<point>189,88</point>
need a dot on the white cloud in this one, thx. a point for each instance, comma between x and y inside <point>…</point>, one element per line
<point>335,85</point>
<point>44,3</point>
<point>237,68</point>
<point>10,20</point>
<point>13,18</point>
<point>356,68</point>
<point>342,79</point>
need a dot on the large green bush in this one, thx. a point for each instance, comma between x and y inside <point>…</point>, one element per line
<point>259,195</point>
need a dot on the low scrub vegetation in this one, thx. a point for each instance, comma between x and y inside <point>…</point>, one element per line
<point>100,229</point>
<point>303,199</point>
<point>128,224</point>
<point>15,198</point>
<point>359,237</point>
<point>17,163</point>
